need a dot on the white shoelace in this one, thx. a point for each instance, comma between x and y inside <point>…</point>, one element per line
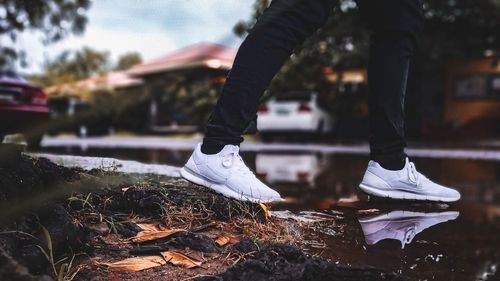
<point>413,174</point>
<point>234,159</point>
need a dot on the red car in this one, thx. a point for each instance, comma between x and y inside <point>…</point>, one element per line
<point>23,108</point>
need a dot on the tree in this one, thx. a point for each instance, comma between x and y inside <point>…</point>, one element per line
<point>73,66</point>
<point>242,27</point>
<point>453,29</point>
<point>128,60</point>
<point>54,18</point>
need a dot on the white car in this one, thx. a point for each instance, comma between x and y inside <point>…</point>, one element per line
<point>278,168</point>
<point>296,112</point>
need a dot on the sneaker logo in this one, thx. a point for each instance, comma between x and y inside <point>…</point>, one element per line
<point>222,174</point>
<point>405,185</point>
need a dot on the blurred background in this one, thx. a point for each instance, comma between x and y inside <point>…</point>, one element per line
<point>108,66</point>
<point>137,80</point>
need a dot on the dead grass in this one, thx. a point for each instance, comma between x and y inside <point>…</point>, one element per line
<point>244,221</point>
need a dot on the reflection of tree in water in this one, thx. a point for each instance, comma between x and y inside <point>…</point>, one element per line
<point>339,177</point>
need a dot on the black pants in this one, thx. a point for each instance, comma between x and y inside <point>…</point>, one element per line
<point>285,25</point>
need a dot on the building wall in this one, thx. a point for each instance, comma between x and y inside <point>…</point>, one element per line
<point>463,110</point>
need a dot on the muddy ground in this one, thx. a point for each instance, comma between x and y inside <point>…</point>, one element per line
<point>69,224</point>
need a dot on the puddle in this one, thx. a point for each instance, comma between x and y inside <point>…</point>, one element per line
<point>425,241</point>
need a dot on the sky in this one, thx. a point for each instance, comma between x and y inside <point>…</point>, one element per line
<point>151,27</point>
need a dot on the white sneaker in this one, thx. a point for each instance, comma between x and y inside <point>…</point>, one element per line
<point>227,174</point>
<point>401,225</point>
<point>405,184</point>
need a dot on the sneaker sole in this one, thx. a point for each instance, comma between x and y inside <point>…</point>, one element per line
<point>219,188</point>
<point>400,195</point>
<point>397,215</point>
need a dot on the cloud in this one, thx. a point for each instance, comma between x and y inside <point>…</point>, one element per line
<point>149,43</point>
<point>152,28</point>
<point>185,21</point>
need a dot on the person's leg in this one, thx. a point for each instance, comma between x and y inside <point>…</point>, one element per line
<point>216,163</point>
<point>282,27</point>
<point>390,173</point>
<point>395,24</point>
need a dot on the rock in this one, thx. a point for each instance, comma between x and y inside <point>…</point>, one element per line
<point>195,241</point>
<point>246,245</point>
<point>127,229</point>
<point>11,154</point>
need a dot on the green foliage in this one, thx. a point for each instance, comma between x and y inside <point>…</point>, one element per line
<point>127,60</point>
<point>198,101</point>
<point>461,29</point>
<point>73,66</point>
<point>55,19</point>
<point>242,27</point>
<point>66,271</point>
<point>191,96</point>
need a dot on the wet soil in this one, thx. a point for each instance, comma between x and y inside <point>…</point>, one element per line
<point>70,223</point>
<point>283,262</point>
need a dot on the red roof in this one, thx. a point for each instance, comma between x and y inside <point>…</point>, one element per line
<point>204,54</point>
<point>111,80</point>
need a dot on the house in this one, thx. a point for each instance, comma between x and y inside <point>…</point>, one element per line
<point>472,98</point>
<point>90,105</point>
<point>175,82</point>
<point>158,95</point>
<point>112,81</point>
<point>469,106</point>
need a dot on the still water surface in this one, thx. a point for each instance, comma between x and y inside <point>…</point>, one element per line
<point>426,241</point>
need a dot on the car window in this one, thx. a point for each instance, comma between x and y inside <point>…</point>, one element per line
<point>294,96</point>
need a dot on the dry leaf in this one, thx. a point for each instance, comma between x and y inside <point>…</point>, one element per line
<point>234,239</point>
<point>223,240</point>
<point>179,259</point>
<point>137,264</point>
<point>144,236</point>
<point>266,210</point>
<point>148,227</point>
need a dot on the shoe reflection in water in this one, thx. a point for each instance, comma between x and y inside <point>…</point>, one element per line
<point>401,225</point>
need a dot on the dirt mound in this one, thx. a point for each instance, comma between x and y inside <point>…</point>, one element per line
<point>32,225</point>
<point>151,198</point>
<point>27,238</point>
<point>48,210</point>
<point>26,184</point>
<point>287,263</point>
